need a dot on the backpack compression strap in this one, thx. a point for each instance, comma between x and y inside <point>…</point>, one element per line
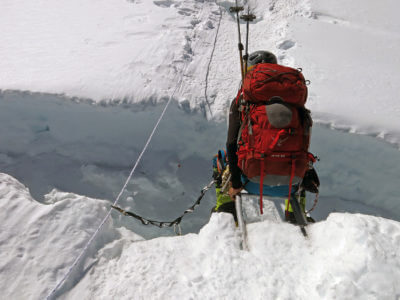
<point>290,186</point>
<point>240,92</point>
<point>261,182</point>
<point>271,147</point>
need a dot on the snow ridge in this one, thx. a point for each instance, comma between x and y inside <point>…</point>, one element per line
<point>346,256</point>
<point>39,242</point>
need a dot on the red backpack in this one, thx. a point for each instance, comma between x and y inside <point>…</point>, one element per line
<point>275,133</point>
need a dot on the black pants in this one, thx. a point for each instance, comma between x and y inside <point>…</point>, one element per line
<point>228,207</point>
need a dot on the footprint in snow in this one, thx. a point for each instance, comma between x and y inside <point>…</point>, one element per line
<point>285,45</point>
<point>327,18</point>
<point>164,3</point>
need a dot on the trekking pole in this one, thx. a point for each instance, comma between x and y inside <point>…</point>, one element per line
<point>248,18</point>
<point>236,9</point>
<point>241,222</point>
<point>298,214</point>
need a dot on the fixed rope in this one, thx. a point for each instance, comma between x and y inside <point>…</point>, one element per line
<point>162,224</point>
<point>178,85</point>
<point>119,195</point>
<point>211,58</point>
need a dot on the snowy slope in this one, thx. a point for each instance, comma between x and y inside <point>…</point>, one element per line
<point>349,50</point>
<point>138,50</point>
<point>347,256</point>
<point>39,242</point>
<point>105,50</point>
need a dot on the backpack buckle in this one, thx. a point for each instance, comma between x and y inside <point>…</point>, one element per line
<point>291,131</point>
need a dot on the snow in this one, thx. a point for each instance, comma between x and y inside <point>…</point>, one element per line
<point>134,51</point>
<point>349,52</point>
<point>122,52</point>
<point>346,256</point>
<point>103,50</point>
<point>39,242</point>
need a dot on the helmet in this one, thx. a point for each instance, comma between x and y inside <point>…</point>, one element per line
<point>261,56</point>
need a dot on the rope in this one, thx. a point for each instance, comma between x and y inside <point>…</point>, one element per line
<point>175,222</point>
<point>178,85</point>
<point>314,205</point>
<point>118,197</point>
<point>211,58</point>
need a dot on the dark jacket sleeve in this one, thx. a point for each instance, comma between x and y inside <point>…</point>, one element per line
<point>231,144</point>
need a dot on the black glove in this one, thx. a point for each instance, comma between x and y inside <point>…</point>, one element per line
<point>217,178</point>
<point>311,181</point>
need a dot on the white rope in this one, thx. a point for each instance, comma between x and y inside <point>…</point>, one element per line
<point>211,58</point>
<point>118,197</point>
<point>60,283</point>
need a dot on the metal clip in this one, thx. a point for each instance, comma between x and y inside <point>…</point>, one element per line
<point>236,9</point>
<point>248,18</point>
<point>177,229</point>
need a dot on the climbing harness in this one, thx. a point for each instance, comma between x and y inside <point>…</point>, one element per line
<point>161,224</point>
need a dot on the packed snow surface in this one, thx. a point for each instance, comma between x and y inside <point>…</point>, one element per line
<point>39,242</point>
<point>348,256</point>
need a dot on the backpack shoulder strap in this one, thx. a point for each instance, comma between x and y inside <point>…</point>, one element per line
<point>305,117</point>
<point>239,96</point>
